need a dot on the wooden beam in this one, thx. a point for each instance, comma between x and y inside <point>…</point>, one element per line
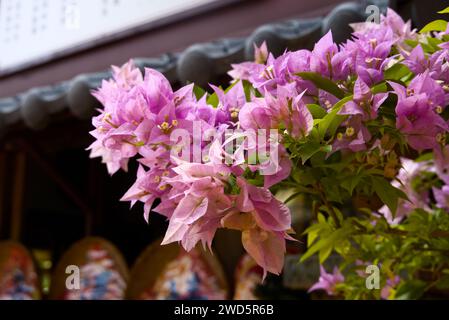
<point>18,195</point>
<point>95,189</point>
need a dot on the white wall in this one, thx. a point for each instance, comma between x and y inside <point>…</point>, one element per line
<point>34,29</point>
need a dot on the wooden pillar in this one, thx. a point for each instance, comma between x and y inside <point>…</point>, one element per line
<point>18,189</point>
<point>95,193</point>
<point>2,194</point>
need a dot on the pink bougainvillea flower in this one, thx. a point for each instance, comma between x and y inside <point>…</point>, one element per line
<point>370,49</point>
<point>230,102</point>
<point>328,281</point>
<point>444,45</point>
<point>416,61</point>
<point>156,89</point>
<point>261,53</point>
<point>256,115</point>
<point>246,70</point>
<point>283,70</point>
<point>418,112</point>
<point>402,30</point>
<point>264,221</point>
<point>292,112</point>
<point>435,65</point>
<point>284,110</point>
<point>207,113</point>
<point>404,181</point>
<point>354,137</point>
<point>391,23</point>
<point>420,124</point>
<point>441,154</point>
<point>369,54</point>
<point>112,158</point>
<point>364,103</point>
<point>266,248</point>
<point>326,99</point>
<point>282,171</point>
<point>127,120</point>
<point>274,73</point>
<point>442,197</point>
<point>202,204</point>
<point>115,142</point>
<point>327,60</point>
<point>421,84</point>
<point>269,213</point>
<point>390,284</point>
<point>127,76</point>
<point>148,187</point>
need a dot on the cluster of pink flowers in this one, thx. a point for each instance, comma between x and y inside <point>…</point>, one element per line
<point>198,195</point>
<point>140,117</point>
<point>328,281</point>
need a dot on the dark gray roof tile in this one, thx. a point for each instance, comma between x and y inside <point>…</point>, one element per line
<point>292,34</point>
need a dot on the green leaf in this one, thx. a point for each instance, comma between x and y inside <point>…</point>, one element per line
<point>340,165</point>
<point>379,88</point>
<point>335,124</point>
<point>332,189</point>
<point>249,89</point>
<point>311,237</point>
<point>443,283</point>
<point>256,182</point>
<point>307,150</point>
<point>339,214</point>
<point>321,218</point>
<point>314,231</point>
<point>324,253</point>
<point>324,243</point>
<point>387,193</point>
<point>322,83</point>
<point>332,120</point>
<point>317,111</point>
<point>397,72</point>
<point>325,122</point>
<point>314,134</point>
<point>410,290</point>
<point>437,25</point>
<point>427,48</point>
<point>213,100</point>
<point>232,187</point>
<point>411,43</point>
<point>444,11</point>
<point>351,182</point>
<point>425,157</point>
<point>198,91</point>
<point>434,43</point>
<point>304,177</point>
